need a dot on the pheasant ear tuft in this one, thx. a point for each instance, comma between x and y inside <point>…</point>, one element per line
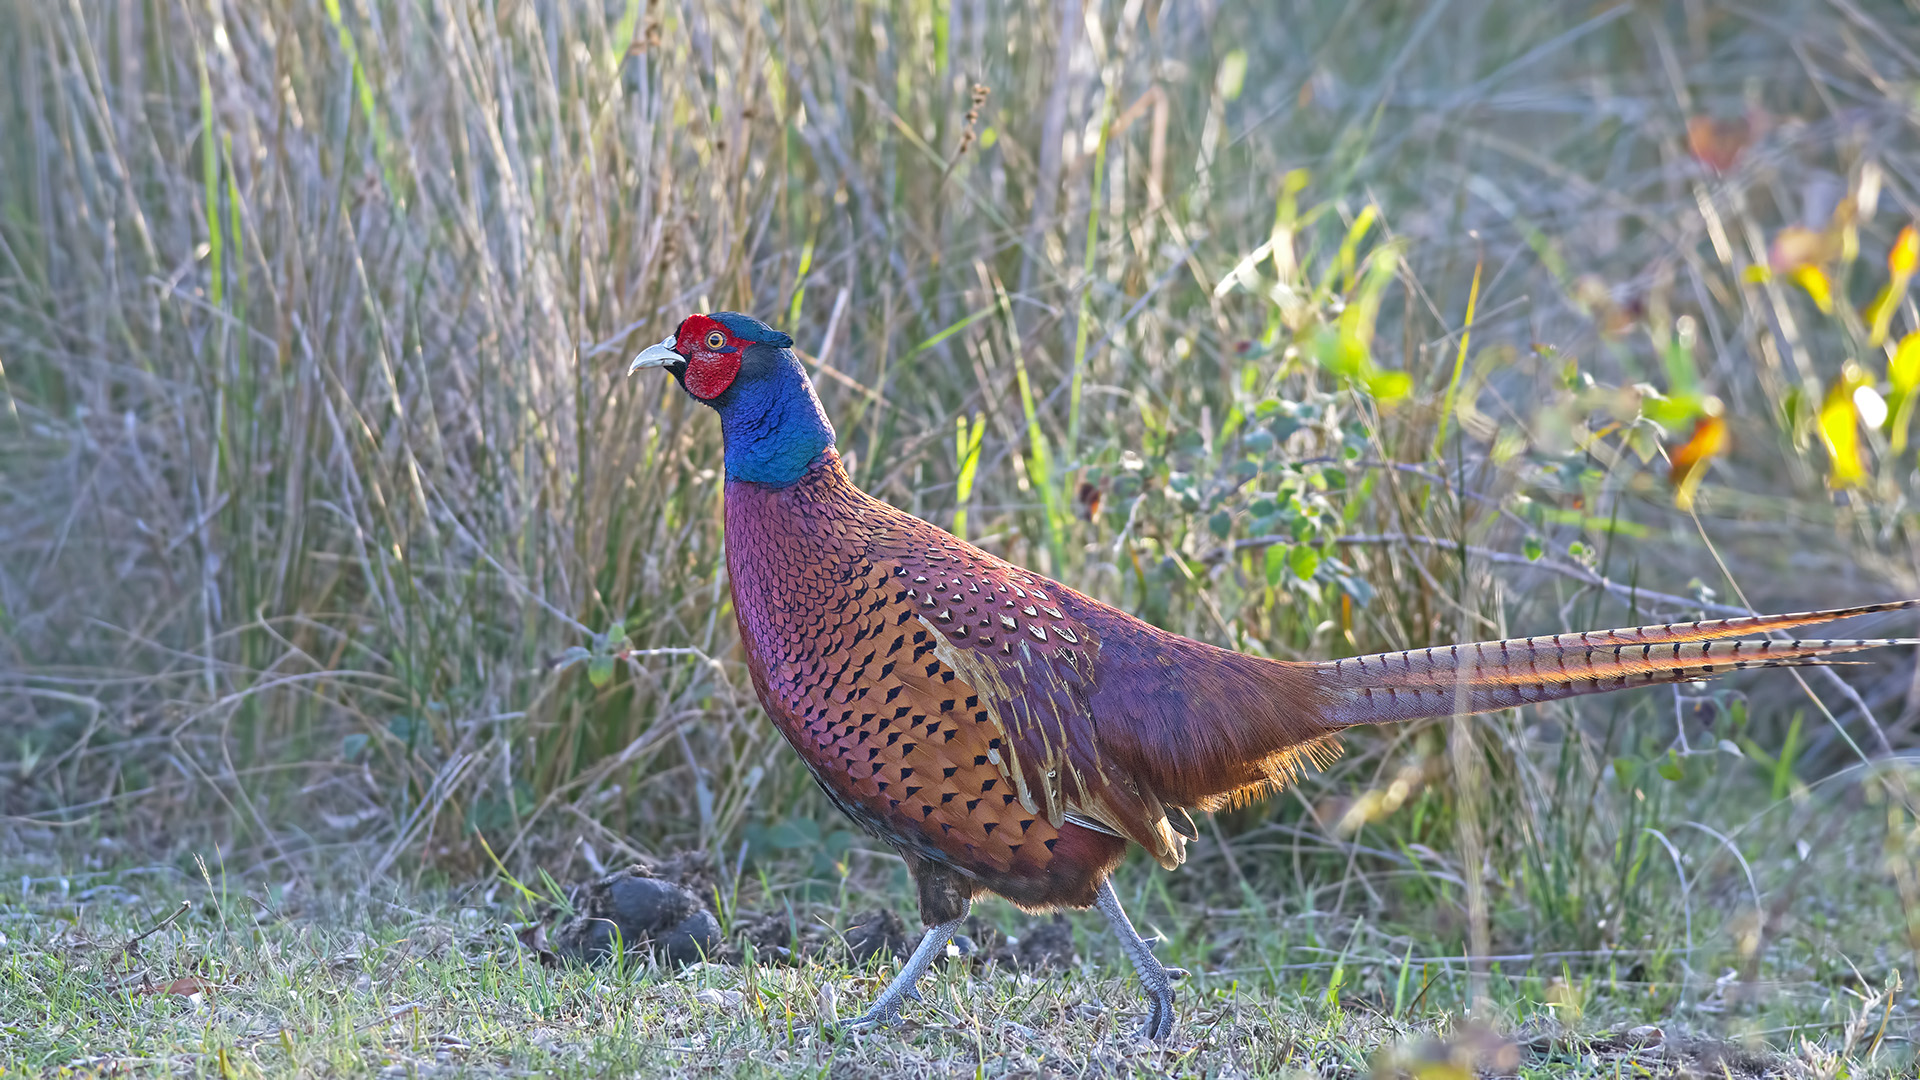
<point>748,328</point>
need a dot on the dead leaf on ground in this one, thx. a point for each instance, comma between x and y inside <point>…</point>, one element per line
<point>534,937</point>
<point>185,986</point>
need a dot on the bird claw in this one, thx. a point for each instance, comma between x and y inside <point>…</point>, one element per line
<point>876,1017</point>
<point>880,1015</point>
<point>1158,1026</point>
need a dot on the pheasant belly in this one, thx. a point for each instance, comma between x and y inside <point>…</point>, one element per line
<point>845,665</point>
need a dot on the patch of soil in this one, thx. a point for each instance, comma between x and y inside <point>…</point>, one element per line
<point>983,944</point>
<point>692,870</point>
<point>783,937</point>
<point>648,914</point>
<point>880,932</point>
<point>1046,946</point>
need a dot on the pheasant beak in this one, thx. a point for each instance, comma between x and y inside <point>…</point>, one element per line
<point>661,355</point>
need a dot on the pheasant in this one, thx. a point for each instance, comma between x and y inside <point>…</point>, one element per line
<point>1007,734</point>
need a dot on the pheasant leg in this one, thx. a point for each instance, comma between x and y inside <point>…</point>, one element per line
<point>1154,976</point>
<point>886,1008</point>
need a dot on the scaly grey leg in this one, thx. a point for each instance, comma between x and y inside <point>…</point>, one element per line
<point>886,1007</point>
<point>1154,976</point>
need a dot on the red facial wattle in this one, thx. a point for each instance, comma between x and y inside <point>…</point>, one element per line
<point>710,368</point>
<point>710,373</point>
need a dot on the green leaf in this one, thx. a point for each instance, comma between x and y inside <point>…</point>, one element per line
<point>1532,549</point>
<point>1220,524</point>
<point>1390,385</point>
<point>1276,563</point>
<point>794,833</point>
<point>1358,589</point>
<point>1671,768</point>
<point>966,450</point>
<point>1625,771</point>
<point>600,671</point>
<point>1304,561</point>
<point>352,745</point>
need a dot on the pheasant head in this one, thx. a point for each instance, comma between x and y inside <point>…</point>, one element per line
<point>745,370</point>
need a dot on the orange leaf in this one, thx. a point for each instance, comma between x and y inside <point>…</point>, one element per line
<point>1689,460</point>
<point>1905,256</point>
<point>1900,266</point>
<point>1717,143</point>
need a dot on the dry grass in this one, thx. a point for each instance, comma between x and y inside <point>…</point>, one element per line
<point>317,461</point>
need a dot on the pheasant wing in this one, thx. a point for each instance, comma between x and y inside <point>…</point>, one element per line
<point>1031,659</point>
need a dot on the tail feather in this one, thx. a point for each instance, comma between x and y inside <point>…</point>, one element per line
<point>1488,675</point>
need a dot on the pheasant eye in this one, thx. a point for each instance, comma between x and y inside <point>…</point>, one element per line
<point>715,339</point>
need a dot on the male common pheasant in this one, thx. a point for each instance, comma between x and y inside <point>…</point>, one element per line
<point>1005,733</point>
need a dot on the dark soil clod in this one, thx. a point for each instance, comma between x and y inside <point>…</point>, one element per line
<point>647,915</point>
<point>1046,946</point>
<point>880,932</point>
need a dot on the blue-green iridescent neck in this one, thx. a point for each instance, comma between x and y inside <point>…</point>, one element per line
<point>773,423</point>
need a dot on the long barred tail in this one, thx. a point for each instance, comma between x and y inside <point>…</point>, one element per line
<point>1488,675</point>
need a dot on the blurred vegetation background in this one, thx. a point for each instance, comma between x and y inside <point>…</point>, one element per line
<point>332,535</point>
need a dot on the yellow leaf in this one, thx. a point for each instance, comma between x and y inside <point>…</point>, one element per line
<point>1689,460</point>
<point>1904,370</point>
<point>1441,1070</point>
<point>1814,280</point>
<point>1879,315</point>
<point>1839,423</point>
<point>1904,259</point>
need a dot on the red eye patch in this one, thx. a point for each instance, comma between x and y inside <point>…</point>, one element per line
<point>709,374</point>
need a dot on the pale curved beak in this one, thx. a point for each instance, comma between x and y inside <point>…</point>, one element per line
<point>661,355</point>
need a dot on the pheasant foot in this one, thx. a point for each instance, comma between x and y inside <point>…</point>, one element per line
<point>1155,978</point>
<point>885,1011</point>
